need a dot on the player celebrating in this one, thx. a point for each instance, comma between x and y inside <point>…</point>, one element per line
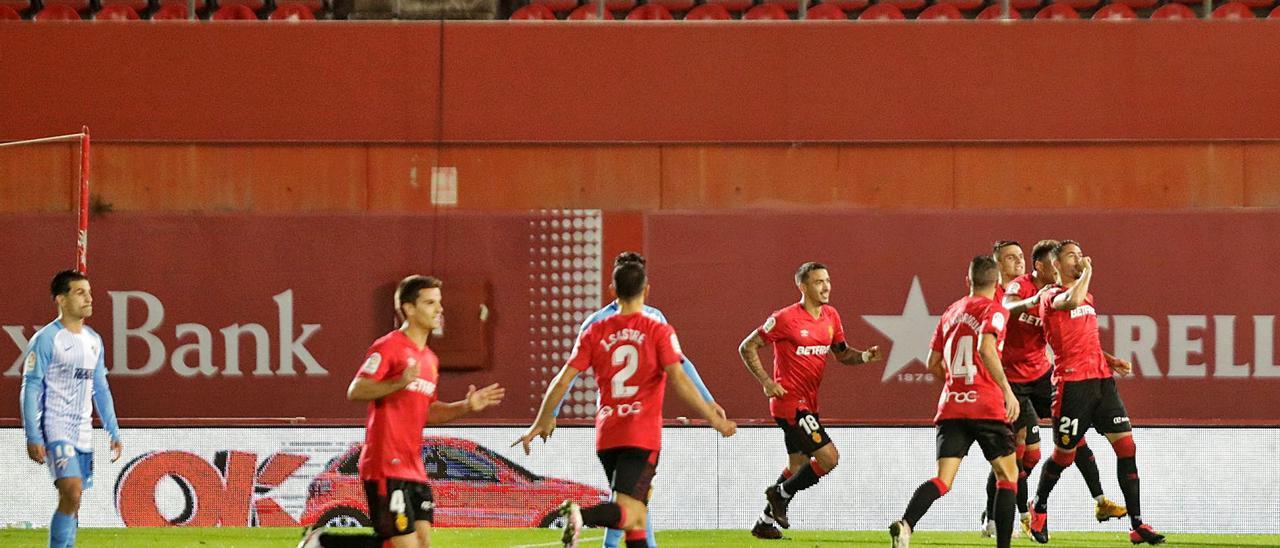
<point>976,404</point>
<point>612,537</point>
<point>1028,369</point>
<point>802,335</point>
<point>399,380</point>
<point>1086,391</point>
<point>633,356</point>
<point>64,377</point>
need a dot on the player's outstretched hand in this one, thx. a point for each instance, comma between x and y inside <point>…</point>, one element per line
<point>478,400</point>
<point>725,427</point>
<point>117,448</point>
<point>1011,407</point>
<point>774,390</point>
<point>1123,367</point>
<point>35,452</point>
<point>871,354</point>
<point>535,431</point>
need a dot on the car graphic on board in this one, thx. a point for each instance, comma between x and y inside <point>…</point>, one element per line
<point>473,487</point>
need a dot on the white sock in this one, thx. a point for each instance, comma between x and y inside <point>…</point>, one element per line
<point>783,492</point>
<point>766,518</point>
<point>1100,498</point>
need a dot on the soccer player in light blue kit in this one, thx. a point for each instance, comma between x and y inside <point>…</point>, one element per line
<point>613,536</point>
<point>64,376</point>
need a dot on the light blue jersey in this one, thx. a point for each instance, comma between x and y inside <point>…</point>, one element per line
<point>64,376</point>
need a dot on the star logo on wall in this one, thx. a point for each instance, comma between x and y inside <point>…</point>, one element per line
<point>910,332</point>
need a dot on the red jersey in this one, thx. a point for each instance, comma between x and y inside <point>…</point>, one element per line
<point>800,347</point>
<point>969,391</point>
<point>393,432</point>
<point>1000,293</point>
<point>1024,356</point>
<point>628,353</point>
<point>1073,336</point>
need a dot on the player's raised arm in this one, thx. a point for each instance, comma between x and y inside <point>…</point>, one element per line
<point>990,355</point>
<point>1076,295</point>
<point>749,350</point>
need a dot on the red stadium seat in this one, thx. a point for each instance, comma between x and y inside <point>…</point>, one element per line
<point>1136,4</point>
<point>235,12</point>
<point>734,6</point>
<point>9,14</point>
<point>253,5</point>
<point>171,12</point>
<point>297,12</point>
<point>557,5</point>
<point>905,5</point>
<point>57,12</point>
<point>849,6</point>
<point>941,11</point>
<point>789,5</point>
<point>534,12</point>
<point>1115,12</point>
<point>650,12</point>
<point>674,6</point>
<point>200,4</point>
<point>1057,12</point>
<point>1275,14</point>
<point>766,12</point>
<point>825,12</point>
<point>616,5</point>
<point>993,12</point>
<point>708,12</point>
<point>588,13</point>
<point>882,12</point>
<point>78,5</point>
<point>1078,5</point>
<point>116,13</point>
<point>1173,11</point>
<point>1233,10</point>
<point>962,5</point>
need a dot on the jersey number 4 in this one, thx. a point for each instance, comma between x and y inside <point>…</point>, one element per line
<point>961,361</point>
<point>628,357</point>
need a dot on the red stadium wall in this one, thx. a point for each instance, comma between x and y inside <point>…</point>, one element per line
<point>463,81</point>
<point>1203,355</point>
<point>279,178</point>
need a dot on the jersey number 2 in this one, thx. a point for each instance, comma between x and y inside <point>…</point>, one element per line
<point>629,358</point>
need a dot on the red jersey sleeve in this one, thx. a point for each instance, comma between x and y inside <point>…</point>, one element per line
<point>837,327</point>
<point>996,321</point>
<point>771,331</point>
<point>580,358</point>
<point>377,364</point>
<point>937,341</point>
<point>668,346</point>
<point>1046,302</point>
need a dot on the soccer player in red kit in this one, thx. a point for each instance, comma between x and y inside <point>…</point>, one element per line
<point>634,357</point>
<point>1086,391</point>
<point>1028,368</point>
<point>399,380</point>
<point>976,403</point>
<point>802,336</point>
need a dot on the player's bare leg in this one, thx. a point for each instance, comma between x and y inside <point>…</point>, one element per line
<point>922,499</point>
<point>1127,473</point>
<point>423,530</point>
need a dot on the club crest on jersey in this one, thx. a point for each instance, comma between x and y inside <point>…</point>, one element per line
<point>997,321</point>
<point>371,364</point>
<point>831,332</point>
<point>769,323</point>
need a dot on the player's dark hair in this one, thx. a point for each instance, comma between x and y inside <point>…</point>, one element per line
<point>61,284</point>
<point>1042,250</point>
<point>629,279</point>
<point>1001,244</point>
<point>628,257</point>
<point>983,272</point>
<point>802,274</point>
<point>409,288</point>
<point>1062,245</point>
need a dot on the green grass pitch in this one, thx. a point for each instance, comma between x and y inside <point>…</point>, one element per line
<point>530,538</point>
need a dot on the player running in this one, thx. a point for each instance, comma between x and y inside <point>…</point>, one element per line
<point>633,357</point>
<point>977,403</point>
<point>802,335</point>
<point>1086,391</point>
